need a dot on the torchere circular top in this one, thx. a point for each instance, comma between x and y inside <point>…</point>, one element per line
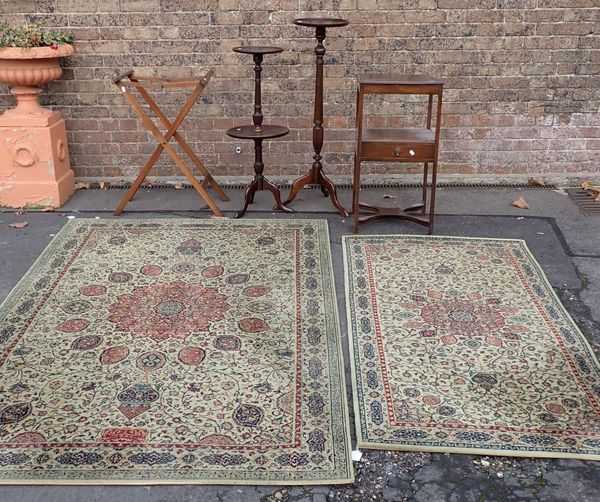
<point>257,49</point>
<point>249,132</point>
<point>321,22</point>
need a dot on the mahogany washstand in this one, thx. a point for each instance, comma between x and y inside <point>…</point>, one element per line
<point>407,144</point>
<point>316,176</point>
<point>259,132</point>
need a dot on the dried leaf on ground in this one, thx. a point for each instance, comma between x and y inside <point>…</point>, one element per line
<point>520,203</point>
<point>20,224</point>
<point>47,210</point>
<point>81,186</point>
<point>102,185</point>
<point>538,182</point>
<point>388,196</point>
<point>179,186</point>
<point>592,190</point>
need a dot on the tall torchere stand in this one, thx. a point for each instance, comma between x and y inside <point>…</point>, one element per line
<point>316,176</point>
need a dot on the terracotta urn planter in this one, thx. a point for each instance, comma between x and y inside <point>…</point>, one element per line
<point>34,159</point>
<point>25,69</point>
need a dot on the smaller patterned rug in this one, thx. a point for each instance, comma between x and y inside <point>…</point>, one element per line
<point>175,351</point>
<point>461,345</point>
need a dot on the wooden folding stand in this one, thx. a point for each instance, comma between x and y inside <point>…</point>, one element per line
<point>143,83</point>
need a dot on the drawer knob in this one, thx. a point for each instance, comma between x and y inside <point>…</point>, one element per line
<point>397,151</point>
<point>412,153</point>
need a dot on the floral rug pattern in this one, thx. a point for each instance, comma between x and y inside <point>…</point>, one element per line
<point>166,351</point>
<point>461,345</point>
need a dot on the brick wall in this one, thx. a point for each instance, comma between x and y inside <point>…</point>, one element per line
<point>522,79</point>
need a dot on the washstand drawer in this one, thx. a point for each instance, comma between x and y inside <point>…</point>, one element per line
<point>397,151</point>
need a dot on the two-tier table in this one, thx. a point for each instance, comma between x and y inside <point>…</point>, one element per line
<point>259,132</point>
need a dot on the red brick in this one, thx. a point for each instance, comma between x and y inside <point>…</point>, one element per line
<point>522,91</point>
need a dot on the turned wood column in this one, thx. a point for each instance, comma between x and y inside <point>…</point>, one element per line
<point>316,176</point>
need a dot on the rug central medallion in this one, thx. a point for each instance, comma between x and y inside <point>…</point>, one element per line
<point>171,310</point>
<point>458,316</point>
<point>187,351</point>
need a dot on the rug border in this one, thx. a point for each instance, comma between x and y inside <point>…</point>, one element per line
<point>340,350</point>
<point>355,404</point>
<point>29,276</point>
<point>27,279</point>
<point>361,443</point>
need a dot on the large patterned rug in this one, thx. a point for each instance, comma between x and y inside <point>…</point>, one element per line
<point>175,351</point>
<point>461,345</point>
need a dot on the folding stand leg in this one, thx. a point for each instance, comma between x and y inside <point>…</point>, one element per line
<point>164,145</point>
<point>139,180</point>
<point>208,179</point>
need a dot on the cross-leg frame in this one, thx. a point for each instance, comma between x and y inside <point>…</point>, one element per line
<point>141,83</point>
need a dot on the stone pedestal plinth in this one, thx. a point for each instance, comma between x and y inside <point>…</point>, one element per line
<point>34,160</point>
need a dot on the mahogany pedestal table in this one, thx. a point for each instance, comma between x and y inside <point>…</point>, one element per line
<point>316,176</point>
<point>259,132</point>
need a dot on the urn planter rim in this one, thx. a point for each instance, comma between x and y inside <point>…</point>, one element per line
<point>36,52</point>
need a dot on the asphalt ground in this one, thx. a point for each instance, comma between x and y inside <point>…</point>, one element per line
<point>564,241</point>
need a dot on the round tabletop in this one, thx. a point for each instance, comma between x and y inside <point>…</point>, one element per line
<point>321,22</point>
<point>257,49</point>
<point>266,132</point>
